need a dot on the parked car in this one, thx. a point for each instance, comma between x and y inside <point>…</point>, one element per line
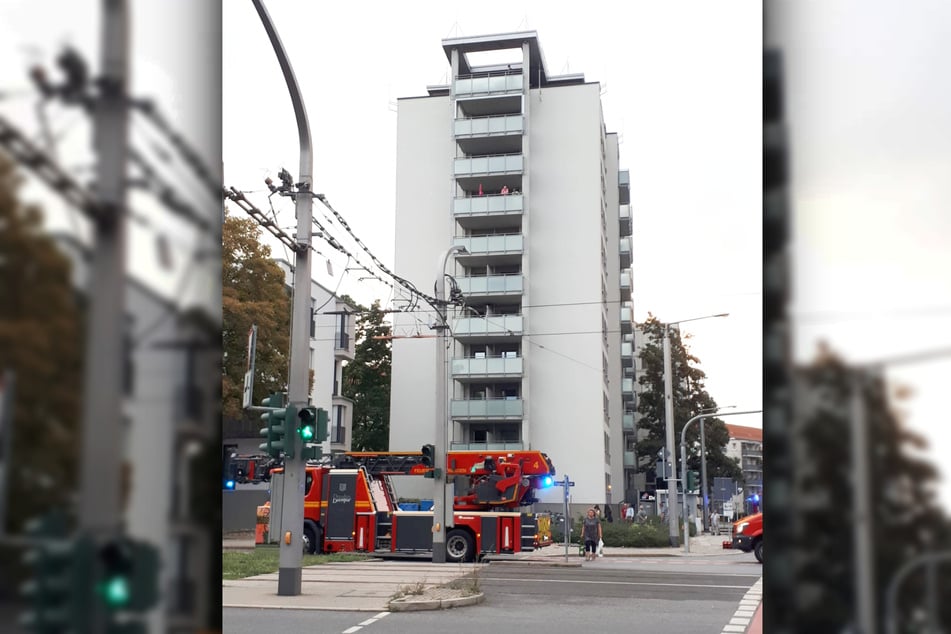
<point>748,535</point>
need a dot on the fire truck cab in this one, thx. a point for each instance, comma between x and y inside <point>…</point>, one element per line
<point>352,506</point>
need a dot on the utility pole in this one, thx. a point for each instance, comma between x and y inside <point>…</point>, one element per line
<point>99,512</point>
<point>442,493</point>
<point>670,447</point>
<point>292,509</point>
<point>705,491</point>
<point>862,520</point>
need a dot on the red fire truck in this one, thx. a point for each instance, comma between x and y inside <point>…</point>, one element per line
<point>352,505</point>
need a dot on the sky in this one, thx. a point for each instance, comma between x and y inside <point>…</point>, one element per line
<point>683,99</point>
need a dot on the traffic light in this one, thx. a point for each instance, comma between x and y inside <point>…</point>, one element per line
<point>276,429</point>
<point>126,582</point>
<point>61,569</point>
<point>429,460</point>
<point>693,480</point>
<point>312,428</point>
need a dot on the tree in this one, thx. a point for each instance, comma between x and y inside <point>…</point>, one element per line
<point>690,398</point>
<point>905,519</point>
<point>253,292</point>
<point>40,341</point>
<point>366,381</point>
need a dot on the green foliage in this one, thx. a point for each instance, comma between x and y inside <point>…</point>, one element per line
<point>906,519</point>
<point>690,398</point>
<point>366,381</point>
<point>253,292</point>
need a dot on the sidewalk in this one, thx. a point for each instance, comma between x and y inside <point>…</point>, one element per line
<point>370,585</point>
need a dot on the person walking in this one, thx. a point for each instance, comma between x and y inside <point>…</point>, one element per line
<point>608,514</point>
<point>591,534</point>
<point>715,523</point>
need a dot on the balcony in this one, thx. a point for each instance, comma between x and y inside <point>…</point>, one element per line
<point>486,368</point>
<point>627,390</point>
<point>490,172</point>
<point>487,409</point>
<point>469,85</point>
<point>499,249</point>
<point>627,354</point>
<point>627,422</point>
<point>343,346</point>
<point>491,287</point>
<point>624,187</point>
<point>487,329</point>
<point>487,446</point>
<point>483,212</point>
<point>627,320</point>
<point>625,286</point>
<point>630,459</point>
<point>490,135</point>
<point>624,247</point>
<point>624,216</point>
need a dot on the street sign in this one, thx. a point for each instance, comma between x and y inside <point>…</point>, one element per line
<point>247,396</point>
<point>728,509</point>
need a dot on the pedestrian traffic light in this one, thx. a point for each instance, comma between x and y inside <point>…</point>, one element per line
<point>275,428</point>
<point>125,583</point>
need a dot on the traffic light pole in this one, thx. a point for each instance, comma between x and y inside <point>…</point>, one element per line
<point>683,462</point>
<point>292,509</point>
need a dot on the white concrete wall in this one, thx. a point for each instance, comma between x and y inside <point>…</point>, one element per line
<point>423,232</point>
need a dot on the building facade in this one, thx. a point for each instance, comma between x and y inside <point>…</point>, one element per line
<point>332,344</point>
<point>746,447</point>
<point>517,167</point>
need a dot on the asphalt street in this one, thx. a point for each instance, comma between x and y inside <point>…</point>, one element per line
<point>651,595</point>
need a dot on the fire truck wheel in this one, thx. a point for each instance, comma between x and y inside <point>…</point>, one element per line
<point>459,546</point>
<point>311,539</point>
<point>758,551</point>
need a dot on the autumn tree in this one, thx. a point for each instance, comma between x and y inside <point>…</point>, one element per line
<point>40,343</point>
<point>690,398</point>
<point>366,381</point>
<point>253,293</point>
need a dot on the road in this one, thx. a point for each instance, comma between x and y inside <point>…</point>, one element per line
<point>696,595</point>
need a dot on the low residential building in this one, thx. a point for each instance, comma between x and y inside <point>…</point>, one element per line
<point>746,447</point>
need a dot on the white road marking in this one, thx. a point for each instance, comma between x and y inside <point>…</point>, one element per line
<point>370,621</point>
<point>351,630</point>
<point>745,610</point>
<point>627,583</point>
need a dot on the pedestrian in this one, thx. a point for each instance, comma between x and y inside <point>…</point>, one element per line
<point>608,514</point>
<point>641,515</point>
<point>629,513</point>
<point>597,511</point>
<point>591,534</point>
<point>715,523</point>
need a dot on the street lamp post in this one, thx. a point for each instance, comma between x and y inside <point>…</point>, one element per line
<point>672,523</point>
<point>441,496</point>
<point>683,464</point>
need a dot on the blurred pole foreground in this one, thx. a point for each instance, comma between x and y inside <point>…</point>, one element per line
<point>99,512</point>
<point>292,509</point>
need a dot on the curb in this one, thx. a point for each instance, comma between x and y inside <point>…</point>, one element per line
<point>403,605</point>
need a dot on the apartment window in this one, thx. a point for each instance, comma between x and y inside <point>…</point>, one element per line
<point>508,433</point>
<point>338,432</point>
<point>478,434</point>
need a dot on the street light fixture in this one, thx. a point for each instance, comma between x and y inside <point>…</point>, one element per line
<point>669,428</point>
<point>442,496</point>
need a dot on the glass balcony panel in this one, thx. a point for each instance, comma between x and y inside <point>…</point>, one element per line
<point>490,365</point>
<point>625,315</point>
<point>629,459</point>
<point>463,86</point>
<point>492,325</point>
<point>476,245</point>
<point>492,284</point>
<point>628,422</point>
<point>627,386</point>
<point>487,446</point>
<point>497,83</point>
<point>488,408</point>
<point>626,280</point>
<point>463,127</point>
<point>480,84</point>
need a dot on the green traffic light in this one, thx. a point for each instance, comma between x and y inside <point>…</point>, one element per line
<point>116,592</point>
<point>307,432</point>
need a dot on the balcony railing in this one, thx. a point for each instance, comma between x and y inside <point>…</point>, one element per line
<point>491,245</point>
<point>624,216</point>
<point>627,422</point>
<point>484,205</point>
<point>627,389</point>
<point>624,246</point>
<point>338,435</point>
<point>497,164</point>
<point>489,126</point>
<point>342,341</point>
<point>492,84</point>
<point>491,325</point>
<point>625,286</point>
<point>498,366</point>
<point>491,285</point>
<point>627,319</point>
<point>627,354</point>
<point>487,446</point>
<point>487,408</point>
<point>630,459</point>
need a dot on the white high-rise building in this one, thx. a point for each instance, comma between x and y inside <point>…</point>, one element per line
<point>516,166</point>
